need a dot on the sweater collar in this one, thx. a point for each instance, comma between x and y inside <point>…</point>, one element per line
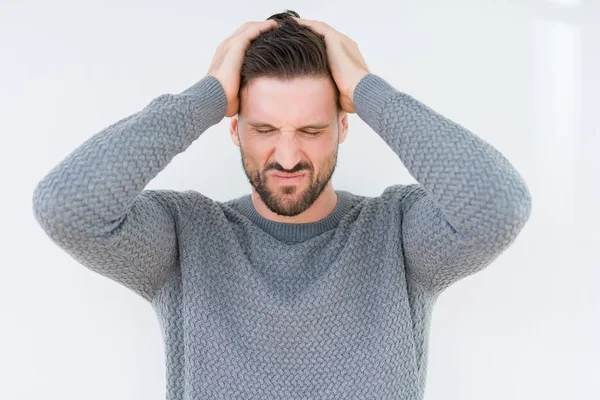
<point>296,232</point>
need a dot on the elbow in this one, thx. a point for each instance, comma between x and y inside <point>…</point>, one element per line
<point>70,218</point>
<point>520,206</point>
<point>502,219</point>
<point>55,215</point>
<point>517,217</point>
<point>46,206</point>
<point>510,218</point>
<point>41,203</point>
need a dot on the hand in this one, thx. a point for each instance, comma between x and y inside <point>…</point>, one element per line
<point>346,62</point>
<point>227,62</point>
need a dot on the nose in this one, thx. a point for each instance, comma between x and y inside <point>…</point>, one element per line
<point>287,152</point>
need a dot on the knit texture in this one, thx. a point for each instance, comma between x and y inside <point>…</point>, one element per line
<point>255,309</point>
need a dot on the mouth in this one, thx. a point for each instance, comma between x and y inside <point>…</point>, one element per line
<point>288,178</point>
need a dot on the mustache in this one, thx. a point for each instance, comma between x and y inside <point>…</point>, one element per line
<point>296,169</point>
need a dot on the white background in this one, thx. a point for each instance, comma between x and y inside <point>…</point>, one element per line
<point>522,75</point>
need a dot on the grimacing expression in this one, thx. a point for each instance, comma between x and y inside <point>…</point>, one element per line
<point>289,127</point>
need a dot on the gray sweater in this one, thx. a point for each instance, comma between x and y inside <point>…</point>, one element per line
<point>255,309</point>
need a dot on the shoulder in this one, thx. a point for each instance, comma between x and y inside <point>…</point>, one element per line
<point>182,205</point>
<point>170,198</point>
<point>399,196</point>
<point>384,208</point>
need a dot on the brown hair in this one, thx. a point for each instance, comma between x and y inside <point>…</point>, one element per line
<point>289,51</point>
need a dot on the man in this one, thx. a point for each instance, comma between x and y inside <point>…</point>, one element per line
<point>295,291</point>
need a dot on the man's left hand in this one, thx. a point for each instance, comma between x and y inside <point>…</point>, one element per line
<point>346,62</point>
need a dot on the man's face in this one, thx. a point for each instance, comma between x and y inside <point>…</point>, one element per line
<point>289,128</point>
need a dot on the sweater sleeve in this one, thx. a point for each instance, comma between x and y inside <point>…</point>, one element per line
<point>470,202</point>
<point>92,204</point>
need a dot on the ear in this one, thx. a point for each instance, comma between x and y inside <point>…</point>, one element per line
<point>234,130</point>
<point>342,126</point>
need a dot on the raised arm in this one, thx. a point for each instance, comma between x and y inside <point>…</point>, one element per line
<point>470,202</point>
<point>92,204</point>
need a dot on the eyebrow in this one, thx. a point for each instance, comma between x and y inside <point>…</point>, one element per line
<point>264,124</point>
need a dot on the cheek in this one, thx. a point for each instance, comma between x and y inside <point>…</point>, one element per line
<point>321,151</point>
<point>255,154</point>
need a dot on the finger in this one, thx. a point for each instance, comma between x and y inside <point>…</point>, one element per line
<point>255,28</point>
<point>318,26</point>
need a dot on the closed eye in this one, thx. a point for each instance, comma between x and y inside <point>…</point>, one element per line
<point>271,130</point>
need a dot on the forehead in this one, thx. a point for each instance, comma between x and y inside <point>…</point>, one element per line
<point>289,102</point>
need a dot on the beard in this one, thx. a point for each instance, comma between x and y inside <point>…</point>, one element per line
<point>291,200</point>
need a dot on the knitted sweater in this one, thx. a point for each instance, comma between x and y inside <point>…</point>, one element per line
<point>255,309</point>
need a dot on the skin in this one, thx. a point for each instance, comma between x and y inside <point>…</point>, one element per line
<point>302,136</point>
<point>273,133</point>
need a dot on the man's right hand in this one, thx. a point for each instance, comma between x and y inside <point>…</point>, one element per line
<point>227,62</point>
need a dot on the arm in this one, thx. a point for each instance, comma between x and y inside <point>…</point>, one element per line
<point>470,203</point>
<point>93,205</point>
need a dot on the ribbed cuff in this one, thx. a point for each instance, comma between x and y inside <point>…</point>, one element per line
<point>210,91</point>
<point>370,97</point>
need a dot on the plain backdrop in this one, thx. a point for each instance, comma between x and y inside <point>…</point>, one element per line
<point>522,75</point>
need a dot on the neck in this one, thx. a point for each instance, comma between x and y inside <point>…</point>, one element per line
<point>320,209</point>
